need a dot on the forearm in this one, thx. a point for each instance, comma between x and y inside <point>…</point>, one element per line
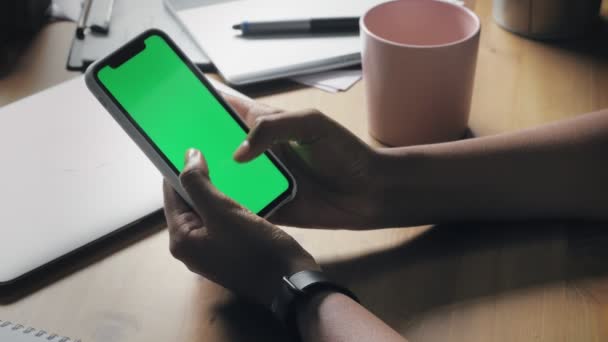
<point>334,317</point>
<point>558,170</point>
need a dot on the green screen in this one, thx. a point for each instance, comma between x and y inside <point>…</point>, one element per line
<point>174,108</point>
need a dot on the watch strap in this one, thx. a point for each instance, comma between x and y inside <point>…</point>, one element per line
<point>298,288</point>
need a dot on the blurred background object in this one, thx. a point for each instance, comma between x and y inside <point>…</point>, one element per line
<point>19,20</point>
<point>547,19</point>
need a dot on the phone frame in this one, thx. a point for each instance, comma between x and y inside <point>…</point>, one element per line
<point>152,151</point>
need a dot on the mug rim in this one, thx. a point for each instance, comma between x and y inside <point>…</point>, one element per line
<point>466,10</point>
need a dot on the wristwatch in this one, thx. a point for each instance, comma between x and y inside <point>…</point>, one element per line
<point>298,288</point>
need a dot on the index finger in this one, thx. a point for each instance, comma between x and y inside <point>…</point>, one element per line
<point>241,106</point>
<point>249,110</point>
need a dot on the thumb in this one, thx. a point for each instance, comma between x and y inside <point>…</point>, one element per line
<point>207,200</point>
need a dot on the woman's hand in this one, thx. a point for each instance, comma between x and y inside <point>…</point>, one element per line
<point>336,187</point>
<point>225,242</point>
<point>241,251</point>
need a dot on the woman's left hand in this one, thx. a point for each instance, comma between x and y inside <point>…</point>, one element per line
<point>226,243</point>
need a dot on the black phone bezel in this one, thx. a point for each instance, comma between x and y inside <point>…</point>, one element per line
<point>135,46</point>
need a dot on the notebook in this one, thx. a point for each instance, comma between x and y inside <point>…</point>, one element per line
<point>13,332</point>
<point>246,60</point>
<point>70,176</point>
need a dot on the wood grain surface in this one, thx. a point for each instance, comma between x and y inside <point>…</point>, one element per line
<point>520,281</point>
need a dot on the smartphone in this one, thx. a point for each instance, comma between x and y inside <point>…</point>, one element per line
<point>166,105</point>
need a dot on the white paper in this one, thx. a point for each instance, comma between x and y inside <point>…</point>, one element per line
<point>324,88</point>
<point>246,60</point>
<point>66,9</point>
<point>331,81</point>
<point>243,60</point>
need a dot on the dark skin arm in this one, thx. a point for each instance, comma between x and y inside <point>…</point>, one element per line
<point>555,171</point>
<point>334,317</point>
<point>330,164</point>
<point>203,237</point>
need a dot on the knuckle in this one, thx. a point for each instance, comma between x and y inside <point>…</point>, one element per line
<point>192,172</point>
<point>320,121</point>
<point>180,241</point>
<point>177,248</point>
<point>185,222</point>
<point>188,218</point>
<point>240,212</point>
<point>311,120</point>
<point>228,209</point>
<point>316,118</point>
<point>261,122</point>
<point>314,113</point>
<point>188,176</point>
<point>262,133</point>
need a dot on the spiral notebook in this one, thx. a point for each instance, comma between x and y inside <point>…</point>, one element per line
<point>13,332</point>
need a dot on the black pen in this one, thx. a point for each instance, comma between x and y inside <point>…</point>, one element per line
<point>82,20</point>
<point>301,26</point>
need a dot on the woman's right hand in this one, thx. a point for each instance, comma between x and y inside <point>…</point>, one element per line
<point>334,170</point>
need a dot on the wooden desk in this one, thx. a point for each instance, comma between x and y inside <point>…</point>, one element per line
<point>471,282</point>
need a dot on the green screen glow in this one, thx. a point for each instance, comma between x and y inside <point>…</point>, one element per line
<point>177,112</point>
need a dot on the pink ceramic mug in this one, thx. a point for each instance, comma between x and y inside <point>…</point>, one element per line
<point>419,60</point>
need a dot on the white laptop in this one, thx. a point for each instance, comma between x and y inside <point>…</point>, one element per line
<point>69,176</point>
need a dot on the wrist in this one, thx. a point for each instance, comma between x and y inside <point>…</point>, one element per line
<point>298,291</point>
<point>404,177</point>
<point>400,167</point>
<point>286,269</point>
<point>323,313</point>
<point>309,311</point>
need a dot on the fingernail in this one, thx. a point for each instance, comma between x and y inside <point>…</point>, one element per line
<point>192,157</point>
<point>241,151</point>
